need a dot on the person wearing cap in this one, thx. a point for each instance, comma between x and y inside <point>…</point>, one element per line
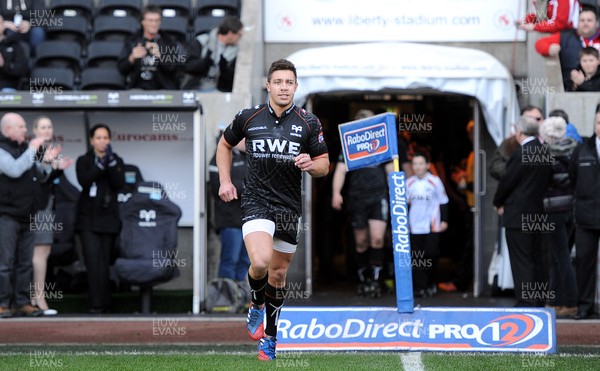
<point>558,204</point>
<point>571,129</point>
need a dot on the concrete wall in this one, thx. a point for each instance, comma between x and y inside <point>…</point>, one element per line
<point>580,107</point>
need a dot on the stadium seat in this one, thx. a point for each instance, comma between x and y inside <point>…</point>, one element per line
<point>120,8</point>
<point>102,53</point>
<point>101,78</point>
<point>176,27</point>
<point>109,28</point>
<point>218,8</point>
<point>51,78</point>
<point>172,8</point>
<point>205,23</point>
<point>71,29</point>
<point>148,226</point>
<point>71,8</point>
<point>58,53</point>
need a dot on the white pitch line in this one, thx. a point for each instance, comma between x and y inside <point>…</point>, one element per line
<point>411,361</point>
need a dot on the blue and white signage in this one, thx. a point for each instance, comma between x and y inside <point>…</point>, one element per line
<point>434,329</point>
<point>369,141</point>
<point>401,242</point>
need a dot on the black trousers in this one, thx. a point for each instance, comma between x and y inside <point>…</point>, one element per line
<point>96,253</point>
<point>561,272</point>
<point>465,271</point>
<point>527,261</point>
<point>424,253</point>
<point>586,245</point>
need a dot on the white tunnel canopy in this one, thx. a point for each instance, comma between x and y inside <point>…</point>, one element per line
<point>411,66</point>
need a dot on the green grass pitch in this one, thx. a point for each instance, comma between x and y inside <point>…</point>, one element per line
<point>229,357</point>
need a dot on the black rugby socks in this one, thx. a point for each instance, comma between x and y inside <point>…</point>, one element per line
<point>257,289</point>
<point>274,302</point>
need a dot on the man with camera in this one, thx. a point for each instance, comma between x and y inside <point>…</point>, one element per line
<point>150,58</point>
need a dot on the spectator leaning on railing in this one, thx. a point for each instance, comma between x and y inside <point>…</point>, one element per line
<point>567,43</point>
<point>210,63</point>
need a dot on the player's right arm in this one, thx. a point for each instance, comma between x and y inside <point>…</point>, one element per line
<point>227,190</point>
<point>339,176</point>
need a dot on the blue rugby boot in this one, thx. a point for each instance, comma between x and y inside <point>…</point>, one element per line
<point>266,349</point>
<point>255,322</point>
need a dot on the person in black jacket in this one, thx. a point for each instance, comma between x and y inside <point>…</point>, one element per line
<point>519,200</point>
<point>100,174</point>
<point>584,171</point>
<point>566,44</point>
<point>150,59</point>
<point>586,77</point>
<point>211,58</point>
<point>558,203</point>
<point>228,218</point>
<point>18,176</point>
<point>25,20</point>
<point>14,63</point>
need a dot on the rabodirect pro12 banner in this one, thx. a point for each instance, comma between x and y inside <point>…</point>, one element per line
<point>369,141</point>
<point>430,329</point>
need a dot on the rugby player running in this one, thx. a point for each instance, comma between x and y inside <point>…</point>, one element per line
<point>282,142</point>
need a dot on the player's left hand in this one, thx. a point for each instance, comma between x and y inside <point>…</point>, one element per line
<point>303,162</point>
<point>443,226</point>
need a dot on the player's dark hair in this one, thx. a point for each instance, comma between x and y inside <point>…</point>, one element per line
<point>423,154</point>
<point>281,65</point>
<point>99,126</point>
<point>230,23</point>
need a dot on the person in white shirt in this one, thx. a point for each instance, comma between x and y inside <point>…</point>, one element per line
<point>427,218</point>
